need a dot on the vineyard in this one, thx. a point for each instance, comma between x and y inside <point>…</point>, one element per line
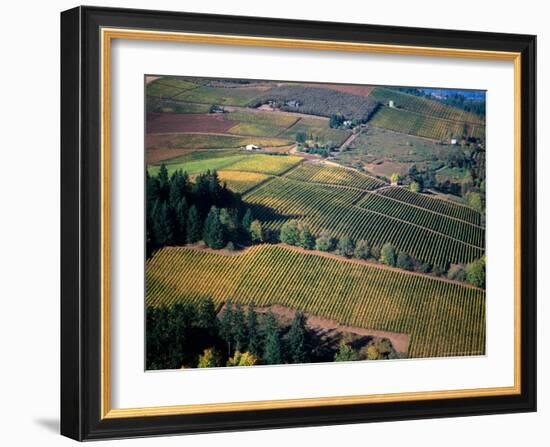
<point>334,175</point>
<point>325,208</point>
<point>412,123</point>
<point>464,231</point>
<point>240,181</point>
<point>442,318</point>
<point>440,206</point>
<point>424,106</point>
<point>265,164</point>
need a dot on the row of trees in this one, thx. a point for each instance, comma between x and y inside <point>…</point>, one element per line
<point>298,234</point>
<point>179,211</point>
<point>193,335</point>
<point>473,273</point>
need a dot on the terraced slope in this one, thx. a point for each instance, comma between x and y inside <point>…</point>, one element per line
<point>424,106</point>
<point>442,318</point>
<point>334,175</point>
<point>340,212</point>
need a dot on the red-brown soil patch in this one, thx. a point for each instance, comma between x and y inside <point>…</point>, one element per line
<point>187,122</point>
<point>360,90</point>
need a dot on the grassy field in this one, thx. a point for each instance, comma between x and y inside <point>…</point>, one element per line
<point>197,166</point>
<point>424,106</point>
<point>318,130</point>
<point>412,123</point>
<point>266,164</point>
<point>334,175</point>
<point>336,211</point>
<point>443,319</point>
<point>376,144</point>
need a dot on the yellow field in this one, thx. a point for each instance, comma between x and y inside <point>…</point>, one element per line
<point>266,164</point>
<point>240,181</point>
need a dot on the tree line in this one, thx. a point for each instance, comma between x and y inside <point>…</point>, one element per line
<point>196,335</point>
<point>298,234</point>
<point>179,211</point>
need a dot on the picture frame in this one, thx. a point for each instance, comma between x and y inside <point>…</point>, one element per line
<point>87,35</point>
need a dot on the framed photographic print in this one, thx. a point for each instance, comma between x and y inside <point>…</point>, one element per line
<point>276,223</point>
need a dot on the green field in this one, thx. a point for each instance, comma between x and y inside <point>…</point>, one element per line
<point>413,123</point>
<point>376,143</point>
<point>197,166</point>
<point>325,208</point>
<point>424,106</point>
<point>442,318</point>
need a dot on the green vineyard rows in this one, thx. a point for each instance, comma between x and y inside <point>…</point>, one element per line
<point>424,106</point>
<point>466,232</point>
<point>441,318</point>
<point>412,123</point>
<point>441,206</point>
<point>335,210</point>
<point>315,173</point>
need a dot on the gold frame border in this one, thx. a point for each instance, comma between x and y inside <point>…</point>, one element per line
<point>107,35</point>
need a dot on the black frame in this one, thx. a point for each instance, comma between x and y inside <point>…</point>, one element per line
<point>80,223</point>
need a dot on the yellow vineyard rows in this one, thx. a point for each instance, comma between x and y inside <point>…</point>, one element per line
<point>333,175</point>
<point>441,318</point>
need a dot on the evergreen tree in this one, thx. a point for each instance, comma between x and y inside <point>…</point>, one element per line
<point>162,227</point>
<point>254,340</point>
<point>272,349</point>
<point>213,233</point>
<point>207,318</point>
<point>239,329</point>
<point>297,339</point>
<point>226,325</point>
<point>193,226</point>
<point>180,227</point>
<point>164,183</point>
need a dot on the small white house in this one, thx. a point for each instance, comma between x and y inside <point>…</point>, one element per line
<point>453,141</point>
<point>252,147</point>
<point>391,104</point>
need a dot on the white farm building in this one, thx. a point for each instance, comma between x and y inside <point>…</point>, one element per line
<point>252,147</point>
